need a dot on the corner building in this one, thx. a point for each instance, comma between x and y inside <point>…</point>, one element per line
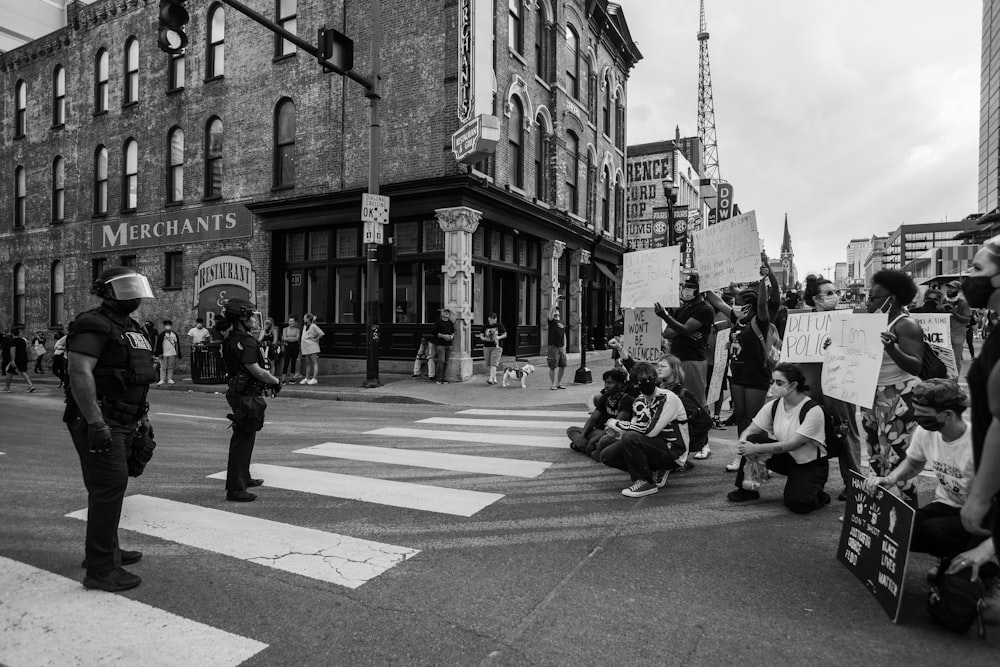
<point>237,168</point>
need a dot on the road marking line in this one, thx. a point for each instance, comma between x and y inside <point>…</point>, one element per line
<point>551,441</point>
<point>338,559</point>
<point>490,412</point>
<point>47,619</point>
<point>423,497</point>
<point>424,459</point>
<point>215,419</point>
<point>502,423</point>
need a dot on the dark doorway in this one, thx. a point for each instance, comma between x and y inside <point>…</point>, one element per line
<point>503,302</point>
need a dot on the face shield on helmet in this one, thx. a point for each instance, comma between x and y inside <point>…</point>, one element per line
<point>127,287</point>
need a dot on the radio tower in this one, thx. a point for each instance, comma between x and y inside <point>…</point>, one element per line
<point>706,107</point>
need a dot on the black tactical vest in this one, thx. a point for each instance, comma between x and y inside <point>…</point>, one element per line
<point>124,370</point>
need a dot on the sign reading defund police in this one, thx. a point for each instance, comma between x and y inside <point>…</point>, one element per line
<point>875,542</point>
<point>213,223</point>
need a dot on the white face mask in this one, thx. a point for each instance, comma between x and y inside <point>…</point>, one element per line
<point>828,301</point>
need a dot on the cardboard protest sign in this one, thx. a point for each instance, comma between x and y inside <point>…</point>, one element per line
<point>852,362</point>
<point>805,335</point>
<point>937,333</point>
<point>719,367</point>
<point>643,334</point>
<point>875,542</point>
<point>728,252</point>
<point>651,276</point>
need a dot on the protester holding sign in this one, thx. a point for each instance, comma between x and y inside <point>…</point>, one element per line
<point>889,421</point>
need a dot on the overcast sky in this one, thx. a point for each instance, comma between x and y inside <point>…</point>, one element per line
<point>853,116</point>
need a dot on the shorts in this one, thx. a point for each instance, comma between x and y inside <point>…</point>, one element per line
<point>14,368</point>
<point>556,357</point>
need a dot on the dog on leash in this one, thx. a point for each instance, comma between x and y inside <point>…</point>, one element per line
<point>515,373</point>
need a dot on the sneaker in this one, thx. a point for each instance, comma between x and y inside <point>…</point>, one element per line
<point>734,466</point>
<point>160,383</point>
<point>439,382</point>
<point>641,488</point>
<point>304,381</point>
<point>128,557</point>
<point>416,375</point>
<point>312,381</point>
<point>31,389</point>
<point>717,424</point>
<point>742,495</point>
<point>731,421</point>
<point>444,382</point>
<point>660,478</point>
<point>702,453</point>
<point>112,581</point>
<point>560,386</point>
<point>170,381</point>
<point>554,387</point>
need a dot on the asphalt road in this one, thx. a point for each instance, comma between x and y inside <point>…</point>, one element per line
<point>552,569</point>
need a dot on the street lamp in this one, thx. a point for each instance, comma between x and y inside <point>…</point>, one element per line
<point>670,193</point>
<point>583,374</point>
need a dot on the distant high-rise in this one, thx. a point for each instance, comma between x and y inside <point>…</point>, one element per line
<point>989,109</point>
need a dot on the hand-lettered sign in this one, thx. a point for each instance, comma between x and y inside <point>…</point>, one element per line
<point>728,252</point>
<point>719,367</point>
<point>854,358</point>
<point>805,337</point>
<point>650,277</point>
<point>937,333</point>
<point>643,334</point>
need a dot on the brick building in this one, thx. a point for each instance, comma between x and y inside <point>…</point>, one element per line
<point>237,168</point>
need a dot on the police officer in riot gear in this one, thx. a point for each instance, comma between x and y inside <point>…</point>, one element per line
<point>249,379</point>
<point>110,369</point>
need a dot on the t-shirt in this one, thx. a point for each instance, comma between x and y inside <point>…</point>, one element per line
<point>443,327</point>
<point>491,333</point>
<point>557,333</point>
<point>611,404</point>
<point>951,462</point>
<point>199,336</point>
<point>786,425</point>
<point>310,339</point>
<point>691,347</point>
<point>958,307</point>
<point>747,365</point>
<point>170,343</point>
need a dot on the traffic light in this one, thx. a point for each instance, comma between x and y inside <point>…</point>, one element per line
<point>173,18</point>
<point>337,48</point>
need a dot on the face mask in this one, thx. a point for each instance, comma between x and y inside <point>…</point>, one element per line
<point>978,290</point>
<point>827,302</point>
<point>646,386</point>
<point>688,294</point>
<point>929,423</point>
<point>780,392</point>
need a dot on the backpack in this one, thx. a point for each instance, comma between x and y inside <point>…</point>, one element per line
<point>834,431</point>
<point>698,420</point>
<point>931,365</point>
<point>771,344</point>
<point>955,601</point>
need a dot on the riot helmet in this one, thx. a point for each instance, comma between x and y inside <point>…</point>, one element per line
<point>120,283</point>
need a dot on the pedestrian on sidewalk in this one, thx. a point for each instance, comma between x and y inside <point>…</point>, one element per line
<point>492,338</point>
<point>556,353</point>
<point>16,359</point>
<point>59,358</point>
<point>199,334</point>
<point>311,335</point>
<point>444,333</point>
<point>38,347</point>
<point>291,337</point>
<point>168,348</point>
<point>422,359</point>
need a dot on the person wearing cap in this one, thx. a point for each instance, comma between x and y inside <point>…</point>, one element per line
<point>688,330</point>
<point>248,379</point>
<point>941,441</point>
<point>444,333</point>
<point>961,315</point>
<point>110,370</point>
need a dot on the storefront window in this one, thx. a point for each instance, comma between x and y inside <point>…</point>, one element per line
<point>347,243</point>
<point>433,238</point>
<point>495,246</point>
<point>319,245</point>
<point>296,247</point>
<point>479,242</point>
<point>433,293</point>
<point>508,248</point>
<point>348,307</point>
<point>407,236</point>
<point>405,293</point>
<point>477,296</point>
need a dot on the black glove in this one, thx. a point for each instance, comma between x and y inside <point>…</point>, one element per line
<point>275,389</point>
<point>99,438</point>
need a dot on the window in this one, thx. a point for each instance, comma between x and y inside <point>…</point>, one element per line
<point>101,181</point>
<point>213,159</point>
<point>97,267</point>
<point>540,162</point>
<point>20,109</point>
<point>128,261</point>
<point>58,96</point>
<point>541,45</point>
<point>175,168</point>
<point>20,196</point>
<point>215,59</point>
<point>515,27</point>
<point>20,282</point>
<point>131,92</point>
<point>619,123</point>
<point>606,108</point>
<point>405,304</point>
<point>285,19</point>
<point>284,144</point>
<point>130,176</point>
<point>606,204</point>
<point>619,209</point>
<point>572,172</point>
<point>515,138</point>
<point>172,269</point>
<point>57,289</point>
<point>573,63</point>
<point>58,189</point>
<point>175,72</point>
<point>101,82</point>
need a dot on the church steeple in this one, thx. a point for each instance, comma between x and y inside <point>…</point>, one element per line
<point>786,241</point>
<point>788,273</point>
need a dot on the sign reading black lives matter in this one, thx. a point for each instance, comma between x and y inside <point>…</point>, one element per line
<point>875,542</point>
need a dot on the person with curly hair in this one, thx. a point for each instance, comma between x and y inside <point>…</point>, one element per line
<point>890,420</point>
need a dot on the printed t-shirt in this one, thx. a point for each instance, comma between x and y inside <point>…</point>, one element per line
<point>786,425</point>
<point>557,333</point>
<point>951,462</point>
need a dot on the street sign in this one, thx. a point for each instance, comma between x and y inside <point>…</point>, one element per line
<point>374,232</point>
<point>476,139</point>
<point>374,208</point>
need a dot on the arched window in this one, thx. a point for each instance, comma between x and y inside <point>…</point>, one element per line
<point>619,123</point>
<point>58,96</point>
<point>606,108</point>
<point>515,26</point>
<point>215,59</point>
<point>572,172</point>
<point>573,62</point>
<point>175,166</point>
<point>606,203</point>
<point>284,144</point>
<point>285,18</point>
<point>20,109</point>
<point>213,158</point>
<point>58,189</point>
<point>541,162</point>
<point>101,82</point>
<point>101,181</point>
<point>20,196</point>
<point>131,93</point>
<point>20,285</point>
<point>176,71</point>
<point>541,44</point>
<point>619,209</point>
<point>57,289</point>
<point>515,138</point>
<point>130,175</point>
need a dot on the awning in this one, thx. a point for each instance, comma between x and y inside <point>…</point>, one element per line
<point>603,268</point>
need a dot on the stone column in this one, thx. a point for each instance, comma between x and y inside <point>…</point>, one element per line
<point>551,252</point>
<point>459,223</point>
<point>574,319</point>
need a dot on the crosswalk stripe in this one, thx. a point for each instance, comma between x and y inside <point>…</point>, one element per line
<point>492,412</point>
<point>423,497</point>
<point>424,459</point>
<point>337,559</point>
<point>551,441</point>
<point>503,423</point>
<point>47,619</point>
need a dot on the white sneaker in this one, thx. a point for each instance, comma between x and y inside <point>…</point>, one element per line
<point>170,381</point>
<point>304,381</point>
<point>734,466</point>
<point>312,381</point>
<point>159,383</point>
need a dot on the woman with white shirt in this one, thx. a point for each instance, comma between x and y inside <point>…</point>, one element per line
<point>790,430</point>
